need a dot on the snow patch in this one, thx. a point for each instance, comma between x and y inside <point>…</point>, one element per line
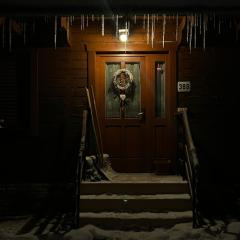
<point>141,215</point>
<point>234,227</point>
<point>178,232</point>
<point>183,231</point>
<point>6,236</point>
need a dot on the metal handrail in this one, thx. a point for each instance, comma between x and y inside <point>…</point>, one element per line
<point>191,165</point>
<point>79,170</point>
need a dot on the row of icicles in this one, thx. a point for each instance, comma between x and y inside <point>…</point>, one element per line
<point>194,22</point>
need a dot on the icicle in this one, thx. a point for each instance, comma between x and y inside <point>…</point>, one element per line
<point>152,32</point>
<point>154,26</point>
<point>24,33</point>
<point>200,24</point>
<point>204,31</point>
<point>190,34</point>
<point>10,35</point>
<point>135,19</point>
<point>148,29</point>
<point>219,26</point>
<point>87,21</point>
<point>128,28</point>
<point>125,42</point>
<point>177,27</point>
<point>116,22</point>
<point>3,35</point>
<point>195,30</point>
<point>187,28</point>
<point>102,24</point>
<point>83,21</point>
<point>113,17</point>
<point>71,20</point>
<point>157,17</point>
<point>68,23</point>
<point>163,31</point>
<point>55,32</point>
<point>214,20</point>
<point>33,26</point>
<point>144,20</point>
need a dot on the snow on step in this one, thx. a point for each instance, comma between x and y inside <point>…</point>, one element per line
<point>147,215</point>
<point>137,221</point>
<point>126,196</point>
<point>135,203</point>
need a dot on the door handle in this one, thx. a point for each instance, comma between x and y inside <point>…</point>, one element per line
<point>141,115</point>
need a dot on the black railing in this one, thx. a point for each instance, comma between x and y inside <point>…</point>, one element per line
<point>79,171</point>
<point>191,166</point>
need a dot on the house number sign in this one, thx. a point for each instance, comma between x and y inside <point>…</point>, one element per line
<point>184,86</point>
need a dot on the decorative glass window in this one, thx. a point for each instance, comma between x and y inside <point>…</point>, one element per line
<point>160,89</point>
<point>133,93</point>
<point>122,90</point>
<point>112,107</point>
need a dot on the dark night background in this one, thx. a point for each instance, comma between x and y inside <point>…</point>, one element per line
<point>72,6</point>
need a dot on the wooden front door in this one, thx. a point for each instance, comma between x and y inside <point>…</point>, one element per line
<point>133,103</point>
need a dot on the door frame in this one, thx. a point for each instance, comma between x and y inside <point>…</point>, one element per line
<point>94,50</point>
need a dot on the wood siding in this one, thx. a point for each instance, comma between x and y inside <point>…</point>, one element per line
<point>8,89</point>
<point>212,106</point>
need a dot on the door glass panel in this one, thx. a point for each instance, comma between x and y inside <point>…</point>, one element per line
<point>133,92</point>
<point>112,102</point>
<point>160,89</point>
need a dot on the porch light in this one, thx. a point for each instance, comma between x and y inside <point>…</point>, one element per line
<point>123,35</point>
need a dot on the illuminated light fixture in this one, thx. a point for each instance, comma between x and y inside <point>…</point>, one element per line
<point>123,35</point>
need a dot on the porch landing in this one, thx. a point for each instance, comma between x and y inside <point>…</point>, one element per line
<point>148,177</point>
<point>144,177</point>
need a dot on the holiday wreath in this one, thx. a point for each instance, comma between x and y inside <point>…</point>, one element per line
<point>123,83</point>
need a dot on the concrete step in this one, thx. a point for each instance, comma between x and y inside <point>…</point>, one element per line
<point>134,221</point>
<point>136,188</point>
<point>135,203</point>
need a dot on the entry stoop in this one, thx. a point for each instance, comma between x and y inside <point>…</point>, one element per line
<point>138,205</point>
